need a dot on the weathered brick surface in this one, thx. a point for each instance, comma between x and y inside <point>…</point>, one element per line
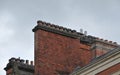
<point>9,71</point>
<point>110,70</point>
<point>54,52</point>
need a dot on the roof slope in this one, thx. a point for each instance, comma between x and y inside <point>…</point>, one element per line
<point>98,60</point>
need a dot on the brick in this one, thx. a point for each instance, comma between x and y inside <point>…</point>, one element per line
<point>56,52</point>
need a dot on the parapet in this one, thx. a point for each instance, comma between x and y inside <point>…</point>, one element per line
<point>22,61</point>
<point>21,64</point>
<point>70,33</point>
<point>56,29</point>
<point>92,39</point>
<point>106,41</point>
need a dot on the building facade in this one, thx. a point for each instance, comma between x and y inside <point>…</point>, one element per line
<point>62,51</point>
<point>59,50</point>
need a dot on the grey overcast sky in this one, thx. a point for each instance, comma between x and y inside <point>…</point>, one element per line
<point>99,18</point>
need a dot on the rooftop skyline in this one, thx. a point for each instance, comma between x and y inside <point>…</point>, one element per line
<point>18,18</point>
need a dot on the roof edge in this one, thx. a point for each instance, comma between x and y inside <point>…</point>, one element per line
<point>98,60</point>
<point>41,25</point>
<point>56,29</point>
